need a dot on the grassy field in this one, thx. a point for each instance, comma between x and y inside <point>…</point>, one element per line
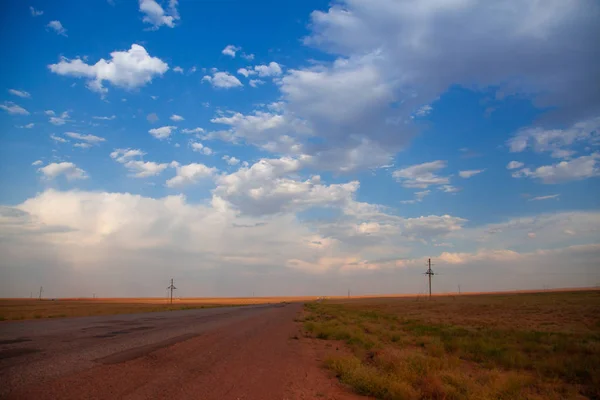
<point>516,346</point>
<point>19,309</point>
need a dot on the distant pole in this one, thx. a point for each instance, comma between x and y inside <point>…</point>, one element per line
<point>348,293</point>
<point>94,295</point>
<point>430,273</point>
<point>31,295</point>
<point>458,289</point>
<point>41,290</point>
<point>172,287</point>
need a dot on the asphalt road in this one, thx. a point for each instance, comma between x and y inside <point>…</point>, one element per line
<point>36,353</point>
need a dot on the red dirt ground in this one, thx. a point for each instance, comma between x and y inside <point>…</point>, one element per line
<point>257,358</point>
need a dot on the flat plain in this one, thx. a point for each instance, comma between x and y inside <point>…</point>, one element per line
<point>510,346</point>
<point>23,309</point>
<point>480,346</point>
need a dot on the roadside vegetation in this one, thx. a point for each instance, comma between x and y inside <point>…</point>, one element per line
<point>526,346</point>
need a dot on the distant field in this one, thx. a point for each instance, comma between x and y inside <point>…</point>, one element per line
<point>19,309</point>
<point>511,346</point>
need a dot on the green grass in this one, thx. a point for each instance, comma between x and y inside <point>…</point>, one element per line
<point>397,353</point>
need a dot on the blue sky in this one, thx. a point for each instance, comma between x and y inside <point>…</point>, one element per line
<point>289,144</point>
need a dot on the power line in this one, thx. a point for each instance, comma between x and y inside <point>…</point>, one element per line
<point>430,273</point>
<point>171,288</point>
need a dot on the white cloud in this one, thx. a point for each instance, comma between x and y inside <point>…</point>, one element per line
<point>259,128</point>
<point>557,141</point>
<point>57,121</point>
<point>348,107</point>
<point>124,155</point>
<point>200,148</point>
<point>57,27</point>
<point>34,12</point>
<point>470,173</point>
<point>37,162</point>
<point>91,139</point>
<point>421,175</point>
<point>449,189</point>
<point>58,139</point>
<point>126,69</point>
<point>93,231</point>
<point>248,57</point>
<point>67,169</point>
<point>432,47</point>
<point>156,16</point>
<point>20,93</point>
<point>548,197</point>
<point>255,82</point>
<point>61,120</point>
<point>222,80</point>
<point>419,196</point>
<point>245,72</point>
<point>13,108</point>
<point>137,168</point>
<point>164,132</point>
<point>422,194</point>
<point>231,160</point>
<point>423,111</point>
<point>432,225</point>
<point>83,145</point>
<point>549,228</point>
<point>267,187</point>
<point>272,69</point>
<point>230,50</point>
<point>577,169</point>
<point>144,169</point>
<point>106,118</point>
<point>190,174</point>
<point>49,112</point>
<point>28,126</point>
<point>514,165</point>
<point>178,69</point>
<point>361,104</point>
<point>176,117</point>
<point>195,130</point>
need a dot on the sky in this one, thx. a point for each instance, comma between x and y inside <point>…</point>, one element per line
<point>298,148</point>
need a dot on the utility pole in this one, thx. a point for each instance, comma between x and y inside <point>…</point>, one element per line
<point>458,289</point>
<point>41,290</point>
<point>171,288</point>
<point>430,273</point>
<point>348,293</point>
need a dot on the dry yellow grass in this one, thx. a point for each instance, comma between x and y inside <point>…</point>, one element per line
<point>19,309</point>
<point>525,346</point>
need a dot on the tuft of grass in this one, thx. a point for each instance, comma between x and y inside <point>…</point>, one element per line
<point>367,380</point>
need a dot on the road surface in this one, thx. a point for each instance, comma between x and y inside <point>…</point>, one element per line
<point>247,352</point>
